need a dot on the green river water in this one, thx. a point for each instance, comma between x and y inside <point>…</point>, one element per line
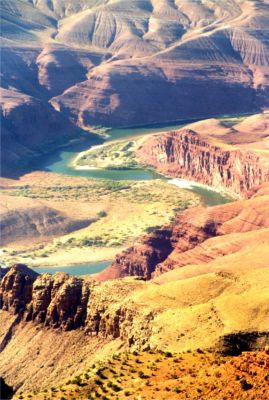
<point>60,162</point>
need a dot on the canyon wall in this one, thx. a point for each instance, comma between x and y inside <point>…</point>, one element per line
<point>198,235</point>
<point>185,154</point>
<point>67,303</point>
<point>59,325</point>
<point>123,63</point>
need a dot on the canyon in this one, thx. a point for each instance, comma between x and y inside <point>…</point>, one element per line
<point>200,281</point>
<point>77,64</point>
<point>182,311</point>
<point>66,312</point>
<point>218,154</point>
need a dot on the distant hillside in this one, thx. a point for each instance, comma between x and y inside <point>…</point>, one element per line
<point>126,62</point>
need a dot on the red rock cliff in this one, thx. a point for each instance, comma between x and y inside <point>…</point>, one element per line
<point>187,240</point>
<point>185,154</point>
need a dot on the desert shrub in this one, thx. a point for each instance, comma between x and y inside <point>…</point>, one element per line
<point>142,375</point>
<point>76,381</point>
<point>245,385</point>
<point>151,229</point>
<point>101,214</point>
<point>116,387</point>
<point>168,354</point>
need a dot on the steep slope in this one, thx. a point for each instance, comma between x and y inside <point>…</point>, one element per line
<point>132,62</point>
<point>30,128</point>
<point>226,66</point>
<point>43,316</point>
<point>199,235</point>
<point>170,376</point>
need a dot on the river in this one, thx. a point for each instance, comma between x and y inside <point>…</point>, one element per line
<point>79,269</point>
<point>60,162</point>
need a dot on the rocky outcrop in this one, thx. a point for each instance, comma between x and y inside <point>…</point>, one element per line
<point>186,154</point>
<point>141,261</point>
<point>67,303</point>
<point>177,315</point>
<point>16,289</point>
<point>57,301</point>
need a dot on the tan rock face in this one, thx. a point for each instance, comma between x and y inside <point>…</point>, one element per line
<point>65,302</point>
<point>16,289</point>
<point>58,301</point>
<point>185,154</point>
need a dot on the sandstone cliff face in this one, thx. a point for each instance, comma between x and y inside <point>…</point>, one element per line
<point>67,303</point>
<point>16,289</point>
<point>141,260</point>
<point>57,301</point>
<point>185,154</point>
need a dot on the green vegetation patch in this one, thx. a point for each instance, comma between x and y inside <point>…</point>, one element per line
<point>121,155</point>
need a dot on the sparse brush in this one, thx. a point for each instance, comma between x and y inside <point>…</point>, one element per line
<point>245,385</point>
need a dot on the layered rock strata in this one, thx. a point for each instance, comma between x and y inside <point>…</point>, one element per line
<point>55,301</point>
<point>125,63</point>
<point>197,236</point>
<point>186,154</point>
<point>67,303</point>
